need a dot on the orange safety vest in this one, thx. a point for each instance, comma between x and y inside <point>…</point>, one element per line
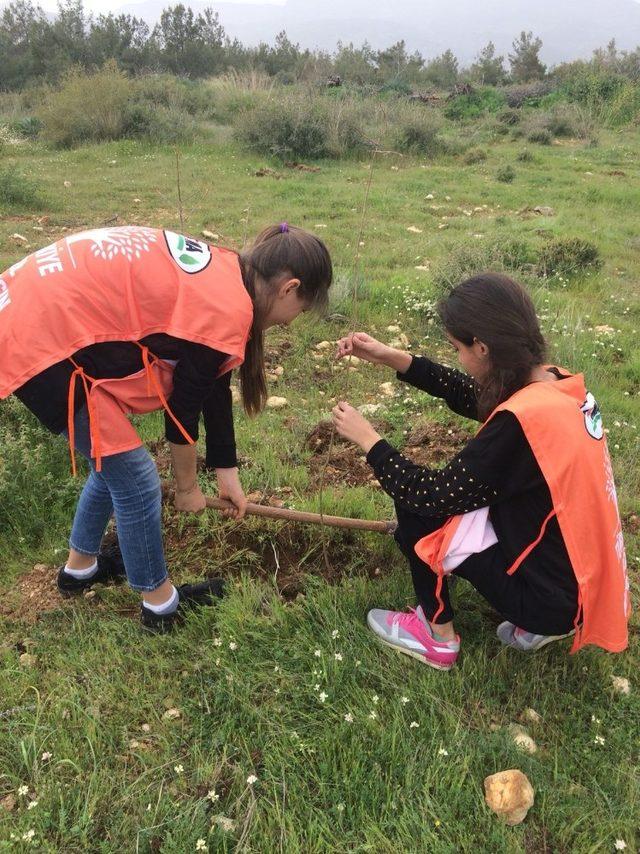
<point>562,424</point>
<point>119,284</point>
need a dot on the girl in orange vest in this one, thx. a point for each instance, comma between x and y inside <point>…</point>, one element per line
<point>110,322</point>
<point>527,510</point>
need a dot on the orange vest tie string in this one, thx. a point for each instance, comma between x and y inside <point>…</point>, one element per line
<point>151,377</point>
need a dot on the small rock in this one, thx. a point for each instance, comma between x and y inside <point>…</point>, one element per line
<point>607,330</point>
<point>387,389</point>
<point>27,659</point>
<point>414,229</point>
<point>393,329</point>
<point>172,715</point>
<point>429,196</point>
<point>145,728</point>
<point>278,370</point>
<point>19,238</point>
<point>8,803</point>
<point>544,210</point>
<point>137,201</point>
<point>522,739</point>
<point>354,360</point>
<point>324,345</point>
<point>210,235</point>
<point>532,716</point>
<point>89,594</point>
<point>422,267</point>
<point>276,402</point>
<point>66,183</point>
<point>621,684</point>
<point>40,567</point>
<point>275,502</point>
<point>509,794</point>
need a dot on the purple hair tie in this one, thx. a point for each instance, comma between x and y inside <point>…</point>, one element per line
<point>284,228</point>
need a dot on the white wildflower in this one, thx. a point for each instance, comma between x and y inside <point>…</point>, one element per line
<point>201,845</point>
<point>22,791</point>
<point>28,836</point>
<point>338,656</point>
<point>414,725</point>
<point>598,740</point>
<point>373,714</point>
<point>217,641</point>
<point>323,697</point>
<point>375,698</point>
<point>317,653</point>
<point>46,756</point>
<point>335,634</point>
<point>179,769</point>
<point>404,700</point>
<point>251,779</point>
<point>213,796</point>
<point>443,752</point>
<point>619,844</point>
<point>233,645</point>
<point>348,718</point>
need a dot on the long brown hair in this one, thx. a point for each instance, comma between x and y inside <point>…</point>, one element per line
<point>278,252</point>
<point>498,311</point>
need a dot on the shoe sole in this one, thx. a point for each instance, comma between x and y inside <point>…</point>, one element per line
<point>417,655</point>
<point>545,642</point>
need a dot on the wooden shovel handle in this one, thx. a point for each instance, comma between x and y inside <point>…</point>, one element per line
<point>307,518</point>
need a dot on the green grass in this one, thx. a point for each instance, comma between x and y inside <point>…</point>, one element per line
<point>323,784</point>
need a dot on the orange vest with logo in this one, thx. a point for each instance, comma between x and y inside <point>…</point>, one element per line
<point>119,284</point>
<point>563,427</point>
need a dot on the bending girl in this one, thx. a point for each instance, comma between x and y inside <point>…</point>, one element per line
<point>129,320</point>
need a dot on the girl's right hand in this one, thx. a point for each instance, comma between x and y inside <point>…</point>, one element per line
<point>364,347</point>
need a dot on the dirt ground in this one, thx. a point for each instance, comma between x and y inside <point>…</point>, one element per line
<point>281,552</point>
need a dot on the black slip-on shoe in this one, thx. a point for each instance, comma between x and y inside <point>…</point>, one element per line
<point>203,594</point>
<point>110,570</point>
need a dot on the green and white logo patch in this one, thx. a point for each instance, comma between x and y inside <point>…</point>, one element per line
<point>189,254</point>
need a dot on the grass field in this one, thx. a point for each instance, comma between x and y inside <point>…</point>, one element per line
<point>123,742</point>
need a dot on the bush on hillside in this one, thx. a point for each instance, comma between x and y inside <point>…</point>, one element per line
<point>294,128</point>
<point>17,191</point>
<point>527,93</point>
<point>420,135</point>
<point>514,257</point>
<point>567,256</point>
<point>506,174</point>
<point>475,104</point>
<point>475,155</point>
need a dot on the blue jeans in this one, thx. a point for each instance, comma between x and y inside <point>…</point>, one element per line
<point>128,486</point>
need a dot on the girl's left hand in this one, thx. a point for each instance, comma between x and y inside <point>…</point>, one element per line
<point>353,426</point>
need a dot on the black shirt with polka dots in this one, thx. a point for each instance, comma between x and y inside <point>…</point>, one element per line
<point>496,468</point>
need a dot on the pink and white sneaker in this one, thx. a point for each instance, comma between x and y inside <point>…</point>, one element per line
<point>409,632</point>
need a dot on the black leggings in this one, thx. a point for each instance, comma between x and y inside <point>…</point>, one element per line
<point>513,596</point>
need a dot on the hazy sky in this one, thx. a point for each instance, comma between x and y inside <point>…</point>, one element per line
<point>98,6</point>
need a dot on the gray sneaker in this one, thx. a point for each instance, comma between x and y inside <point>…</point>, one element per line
<point>510,635</point>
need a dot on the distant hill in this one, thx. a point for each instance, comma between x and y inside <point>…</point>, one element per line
<point>570,29</point>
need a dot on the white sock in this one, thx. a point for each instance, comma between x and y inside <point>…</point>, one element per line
<point>82,573</point>
<point>167,607</point>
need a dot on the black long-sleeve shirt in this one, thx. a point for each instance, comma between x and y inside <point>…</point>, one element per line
<point>496,468</point>
<point>196,391</point>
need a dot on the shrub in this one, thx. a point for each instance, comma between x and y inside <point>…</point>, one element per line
<point>513,257</point>
<point>541,136</point>
<point>567,256</point>
<point>509,117</point>
<point>506,174</point>
<point>525,156</point>
<point>87,107</point>
<point>27,126</point>
<point>290,128</point>
<point>526,93</point>
<point>17,191</point>
<point>420,135</point>
<point>475,155</point>
<point>475,104</point>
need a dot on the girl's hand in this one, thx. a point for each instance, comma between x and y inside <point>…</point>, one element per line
<point>230,488</point>
<point>364,347</point>
<point>190,500</point>
<point>353,426</point>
